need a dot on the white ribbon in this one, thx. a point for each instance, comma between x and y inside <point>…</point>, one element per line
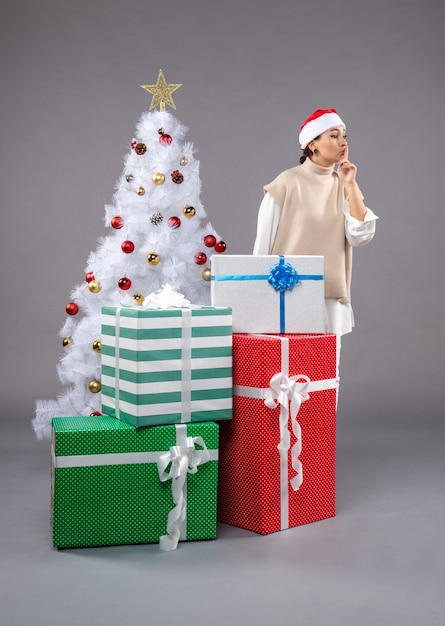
<point>180,460</point>
<point>282,391</point>
<point>117,348</point>
<point>186,366</point>
<point>165,298</point>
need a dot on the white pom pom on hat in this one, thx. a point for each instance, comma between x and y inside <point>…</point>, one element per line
<point>318,122</point>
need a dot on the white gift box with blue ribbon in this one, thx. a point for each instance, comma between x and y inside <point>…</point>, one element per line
<point>270,293</point>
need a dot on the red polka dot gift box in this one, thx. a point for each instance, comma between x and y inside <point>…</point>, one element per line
<point>277,454</point>
<point>115,484</point>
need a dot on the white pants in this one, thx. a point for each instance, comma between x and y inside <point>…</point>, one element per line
<point>339,319</point>
<point>337,364</point>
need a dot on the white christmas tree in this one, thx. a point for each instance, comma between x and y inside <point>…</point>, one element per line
<point>157,234</point>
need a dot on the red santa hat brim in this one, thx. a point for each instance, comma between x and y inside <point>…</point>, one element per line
<point>320,121</point>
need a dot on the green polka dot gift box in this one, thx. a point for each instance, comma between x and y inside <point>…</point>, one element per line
<point>115,484</point>
<point>166,366</point>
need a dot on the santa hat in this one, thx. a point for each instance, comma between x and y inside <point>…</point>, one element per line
<point>317,123</point>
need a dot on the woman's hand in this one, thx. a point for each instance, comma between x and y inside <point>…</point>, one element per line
<point>346,170</point>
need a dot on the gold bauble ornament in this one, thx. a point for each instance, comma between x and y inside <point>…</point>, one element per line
<point>153,258</point>
<point>207,274</point>
<point>94,386</point>
<point>141,191</point>
<point>67,342</point>
<point>94,286</point>
<point>189,211</point>
<point>183,160</point>
<point>97,346</point>
<point>158,178</point>
<point>138,298</point>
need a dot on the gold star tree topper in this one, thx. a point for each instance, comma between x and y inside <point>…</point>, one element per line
<point>162,92</point>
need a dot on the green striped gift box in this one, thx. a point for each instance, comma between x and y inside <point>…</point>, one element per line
<point>106,487</point>
<point>167,366</point>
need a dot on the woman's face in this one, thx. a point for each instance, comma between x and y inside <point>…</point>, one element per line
<point>331,145</point>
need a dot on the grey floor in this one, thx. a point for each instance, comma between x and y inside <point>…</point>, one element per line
<point>379,562</point>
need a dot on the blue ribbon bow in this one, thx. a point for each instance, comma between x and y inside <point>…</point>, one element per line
<point>283,276</point>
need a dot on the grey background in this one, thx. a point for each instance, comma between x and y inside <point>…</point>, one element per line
<point>251,72</point>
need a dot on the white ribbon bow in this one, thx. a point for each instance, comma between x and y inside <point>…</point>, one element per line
<point>182,460</point>
<point>283,389</point>
<point>165,298</point>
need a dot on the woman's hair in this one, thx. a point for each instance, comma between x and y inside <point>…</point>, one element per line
<point>307,152</point>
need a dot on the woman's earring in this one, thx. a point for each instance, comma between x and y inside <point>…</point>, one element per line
<point>315,150</point>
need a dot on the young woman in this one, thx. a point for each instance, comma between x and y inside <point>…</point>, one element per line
<point>317,208</point>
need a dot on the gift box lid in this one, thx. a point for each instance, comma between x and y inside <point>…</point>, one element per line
<point>103,434</point>
<point>141,312</point>
<point>258,357</point>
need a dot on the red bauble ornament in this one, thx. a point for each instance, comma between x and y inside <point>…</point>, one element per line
<point>209,241</point>
<point>117,222</point>
<point>72,308</point>
<point>220,246</point>
<point>124,283</point>
<point>174,222</point>
<point>127,246</point>
<point>200,258</point>
<point>165,139</point>
<point>89,277</point>
<point>95,414</point>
